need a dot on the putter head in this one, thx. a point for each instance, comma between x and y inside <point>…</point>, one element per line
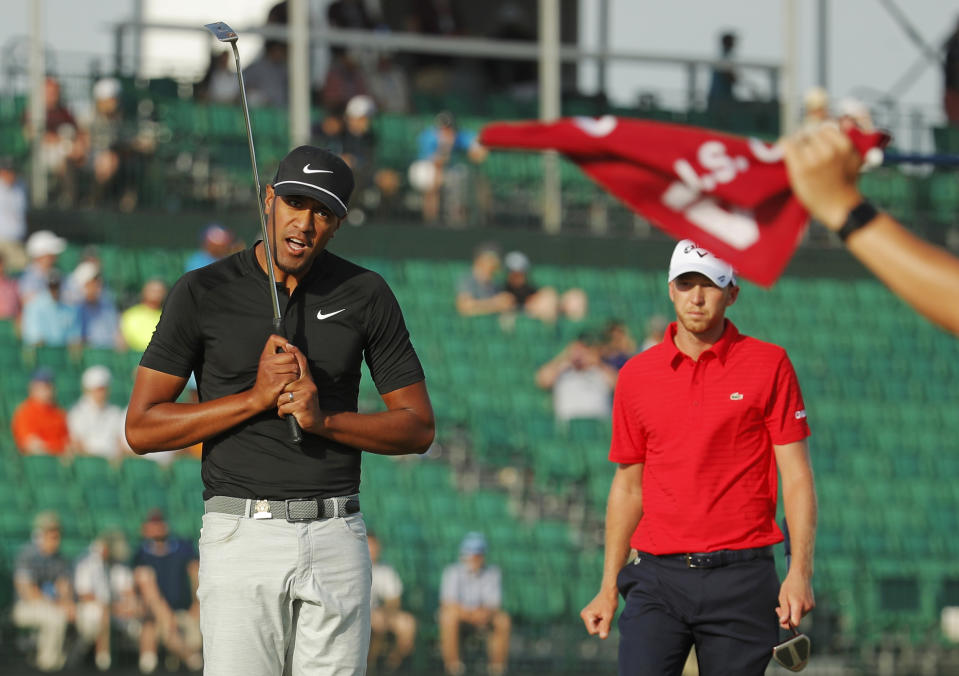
<point>222,32</point>
<point>794,653</point>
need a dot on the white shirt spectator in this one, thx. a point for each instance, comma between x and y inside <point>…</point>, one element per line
<point>582,394</point>
<point>387,585</point>
<point>98,430</point>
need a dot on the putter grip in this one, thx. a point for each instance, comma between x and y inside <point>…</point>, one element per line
<point>296,434</point>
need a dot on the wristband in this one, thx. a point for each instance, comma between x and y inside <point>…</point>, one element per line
<point>860,216</point>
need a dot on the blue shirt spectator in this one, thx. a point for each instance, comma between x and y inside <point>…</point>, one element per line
<point>171,559</point>
<point>47,320</point>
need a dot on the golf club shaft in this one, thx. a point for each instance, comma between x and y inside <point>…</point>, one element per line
<point>296,434</point>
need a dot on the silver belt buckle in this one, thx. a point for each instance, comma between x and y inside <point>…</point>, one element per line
<point>261,510</point>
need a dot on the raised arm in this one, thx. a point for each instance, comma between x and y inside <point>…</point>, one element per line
<point>823,169</point>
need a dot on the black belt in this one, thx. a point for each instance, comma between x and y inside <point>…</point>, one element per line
<point>717,559</point>
<point>294,509</point>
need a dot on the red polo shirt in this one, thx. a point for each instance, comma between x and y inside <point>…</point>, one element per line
<point>705,432</point>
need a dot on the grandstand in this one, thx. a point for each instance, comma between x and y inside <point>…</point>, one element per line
<point>879,383</point>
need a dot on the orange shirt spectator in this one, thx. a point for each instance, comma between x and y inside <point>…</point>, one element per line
<point>39,425</point>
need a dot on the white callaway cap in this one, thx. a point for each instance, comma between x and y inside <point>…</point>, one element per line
<point>687,257</point>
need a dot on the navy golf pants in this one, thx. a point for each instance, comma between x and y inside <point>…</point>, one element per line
<point>729,613</point>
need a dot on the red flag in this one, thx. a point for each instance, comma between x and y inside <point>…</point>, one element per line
<point>729,194</point>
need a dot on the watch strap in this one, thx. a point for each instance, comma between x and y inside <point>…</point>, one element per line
<point>860,216</point>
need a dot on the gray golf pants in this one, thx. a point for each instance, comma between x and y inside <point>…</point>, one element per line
<point>280,598</point>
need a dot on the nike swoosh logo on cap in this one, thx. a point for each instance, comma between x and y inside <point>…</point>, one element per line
<point>307,170</point>
<point>320,315</point>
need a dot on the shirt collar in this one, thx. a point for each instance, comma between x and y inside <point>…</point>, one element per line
<point>719,350</point>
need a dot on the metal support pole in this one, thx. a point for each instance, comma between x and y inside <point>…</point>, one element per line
<point>603,46</point>
<point>788,94</point>
<point>137,37</point>
<point>549,108</point>
<point>299,69</point>
<point>822,44</point>
<point>38,110</point>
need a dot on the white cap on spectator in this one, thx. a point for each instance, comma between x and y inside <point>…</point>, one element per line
<point>45,243</point>
<point>360,105</point>
<point>687,257</point>
<point>95,376</point>
<point>106,88</point>
<point>85,272</point>
<point>516,261</point>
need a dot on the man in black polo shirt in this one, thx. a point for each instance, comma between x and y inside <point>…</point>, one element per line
<point>284,565</point>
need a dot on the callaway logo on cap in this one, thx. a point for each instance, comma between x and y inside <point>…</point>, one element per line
<point>687,257</point>
<point>309,171</point>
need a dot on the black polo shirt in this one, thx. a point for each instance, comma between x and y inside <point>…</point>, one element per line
<point>215,323</point>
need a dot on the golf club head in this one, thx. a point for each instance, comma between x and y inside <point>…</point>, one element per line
<point>794,653</point>
<point>222,32</point>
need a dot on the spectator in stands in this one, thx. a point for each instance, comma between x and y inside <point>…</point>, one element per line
<point>216,242</point>
<point>389,85</point>
<point>431,72</point>
<point>138,322</point>
<point>348,14</point>
<point>471,595</point>
<point>518,77</point>
<point>373,185</point>
<point>9,294</point>
<point>97,313</point>
<point>72,290</point>
<point>117,148</point>
<point>39,426</point>
<point>63,144</point>
<point>219,83</point>
<point>96,425</point>
<point>442,151</point>
<point>724,73</point>
<point>477,292</point>
<point>344,80</point>
<point>41,578</point>
<point>386,615</point>
<point>823,169</point>
<point>331,130</point>
<point>47,320</point>
<point>950,72</point>
<point>655,330</point>
<point>165,573</point>
<point>618,344</point>
<point>104,588</point>
<point>543,303</point>
<point>582,384</point>
<point>43,249</point>
<point>267,79</point>
<point>13,215</point>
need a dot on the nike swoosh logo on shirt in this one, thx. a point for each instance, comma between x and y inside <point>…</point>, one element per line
<point>307,170</point>
<point>320,315</point>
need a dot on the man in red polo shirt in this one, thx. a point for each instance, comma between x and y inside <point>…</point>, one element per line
<point>701,422</point>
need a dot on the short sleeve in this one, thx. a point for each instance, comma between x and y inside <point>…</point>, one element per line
<point>628,444</point>
<point>493,588</point>
<point>448,586</point>
<point>786,411</point>
<point>23,567</point>
<point>390,585</point>
<point>389,353</point>
<point>176,345</point>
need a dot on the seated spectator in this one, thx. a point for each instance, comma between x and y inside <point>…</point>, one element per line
<point>219,83</point>
<point>47,320</point>
<point>267,79</point>
<point>43,249</point>
<point>655,330</point>
<point>138,322</point>
<point>9,294</point>
<point>63,144</point>
<point>96,425</point>
<point>373,185</point>
<point>440,168</point>
<point>344,80</point>
<point>477,293</point>
<point>582,384</point>
<point>471,595</point>
<point>13,215</point>
<point>104,587</point>
<point>389,85</point>
<point>39,426</point>
<point>543,303</point>
<point>386,615</point>
<point>330,133</point>
<point>97,313</point>
<point>165,573</point>
<point>44,594</point>
<point>618,345</point>
<point>215,243</point>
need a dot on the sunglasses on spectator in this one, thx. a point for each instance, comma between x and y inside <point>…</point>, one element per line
<point>794,652</point>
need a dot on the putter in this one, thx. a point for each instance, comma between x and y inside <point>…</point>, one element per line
<point>224,33</point>
<point>794,652</point>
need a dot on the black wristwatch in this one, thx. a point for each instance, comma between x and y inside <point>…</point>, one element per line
<point>861,215</point>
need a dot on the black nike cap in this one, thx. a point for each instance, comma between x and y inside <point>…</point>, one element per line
<point>309,171</point>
